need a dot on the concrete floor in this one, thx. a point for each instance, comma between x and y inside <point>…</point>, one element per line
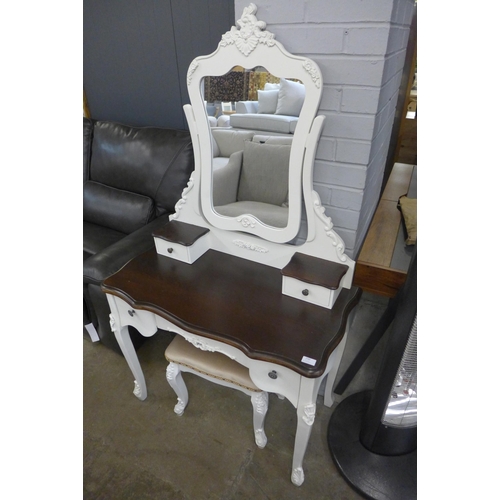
<point>141,450</point>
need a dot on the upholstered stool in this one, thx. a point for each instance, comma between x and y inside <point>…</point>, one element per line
<point>218,368</point>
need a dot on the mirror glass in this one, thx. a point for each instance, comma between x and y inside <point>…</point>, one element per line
<point>252,115</point>
<point>251,92</point>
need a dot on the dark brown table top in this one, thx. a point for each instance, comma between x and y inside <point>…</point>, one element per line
<point>238,302</point>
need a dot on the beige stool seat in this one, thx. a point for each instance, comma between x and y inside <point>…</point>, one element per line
<point>218,368</point>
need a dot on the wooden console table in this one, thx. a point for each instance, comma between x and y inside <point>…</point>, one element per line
<point>227,304</point>
<point>383,262</point>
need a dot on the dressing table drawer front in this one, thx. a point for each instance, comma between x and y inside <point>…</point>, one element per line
<point>188,254</point>
<point>144,321</point>
<point>314,294</point>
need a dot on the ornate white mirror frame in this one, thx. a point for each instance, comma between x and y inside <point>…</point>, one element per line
<point>250,46</point>
<point>262,243</point>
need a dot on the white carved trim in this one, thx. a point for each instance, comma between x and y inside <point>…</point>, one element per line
<point>191,70</point>
<point>260,438</point>
<point>298,476</point>
<point>260,405</point>
<point>184,197</point>
<point>137,389</point>
<point>337,241</point>
<point>251,32</point>
<point>247,221</point>
<point>313,71</point>
<point>112,323</point>
<point>261,402</point>
<point>179,407</point>
<point>250,246</point>
<point>309,413</point>
<point>201,344</point>
<point>172,371</point>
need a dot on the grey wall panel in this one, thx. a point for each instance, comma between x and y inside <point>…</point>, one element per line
<point>136,54</point>
<point>198,27</point>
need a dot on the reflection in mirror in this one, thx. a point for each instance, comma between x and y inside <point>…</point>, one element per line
<point>254,182</point>
<point>253,115</point>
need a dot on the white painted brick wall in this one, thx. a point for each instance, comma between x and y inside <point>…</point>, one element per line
<point>360,47</point>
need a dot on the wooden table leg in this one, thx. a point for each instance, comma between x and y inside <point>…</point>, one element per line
<point>306,412</point>
<point>305,420</point>
<point>123,338</point>
<point>260,404</point>
<point>175,380</point>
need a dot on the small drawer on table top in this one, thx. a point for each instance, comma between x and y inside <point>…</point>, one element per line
<point>314,280</point>
<point>308,292</point>
<point>181,241</point>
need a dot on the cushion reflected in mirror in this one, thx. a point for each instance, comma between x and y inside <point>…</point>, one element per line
<point>268,101</point>
<point>291,98</point>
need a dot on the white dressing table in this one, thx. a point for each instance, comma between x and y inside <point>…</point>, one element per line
<point>232,284</point>
<point>236,307</point>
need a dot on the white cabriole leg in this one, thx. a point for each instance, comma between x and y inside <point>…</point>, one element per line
<point>175,380</point>
<point>123,338</point>
<point>260,404</point>
<point>337,355</point>
<point>305,420</point>
<point>306,412</point>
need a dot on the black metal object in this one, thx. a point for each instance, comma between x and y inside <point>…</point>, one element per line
<point>370,343</point>
<point>378,460</point>
<point>374,476</point>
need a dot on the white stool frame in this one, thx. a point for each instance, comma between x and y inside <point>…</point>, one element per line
<point>259,399</point>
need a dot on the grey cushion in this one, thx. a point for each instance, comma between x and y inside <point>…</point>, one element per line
<point>219,162</point>
<point>230,141</point>
<point>264,173</point>
<point>215,147</point>
<point>116,209</point>
<point>291,98</point>
<point>226,179</point>
<point>271,86</point>
<point>268,100</point>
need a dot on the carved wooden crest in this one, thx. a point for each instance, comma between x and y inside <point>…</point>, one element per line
<point>251,32</point>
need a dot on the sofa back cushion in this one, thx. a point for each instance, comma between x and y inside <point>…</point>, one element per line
<point>290,98</point>
<point>153,162</point>
<point>264,174</point>
<point>116,209</point>
<point>268,101</point>
<point>229,141</point>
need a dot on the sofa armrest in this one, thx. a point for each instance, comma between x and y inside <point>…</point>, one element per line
<point>226,180</point>
<point>110,260</point>
<point>247,107</point>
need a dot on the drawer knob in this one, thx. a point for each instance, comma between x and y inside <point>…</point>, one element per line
<point>131,312</point>
<point>170,250</point>
<point>305,292</point>
<point>273,375</point>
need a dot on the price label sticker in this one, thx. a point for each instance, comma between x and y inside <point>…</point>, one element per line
<point>309,361</point>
